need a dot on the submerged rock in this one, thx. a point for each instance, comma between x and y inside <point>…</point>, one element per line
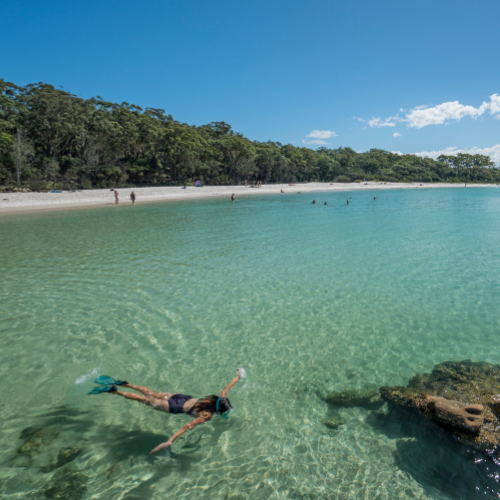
<point>35,440</point>
<point>334,422</point>
<point>367,398</point>
<point>65,456</point>
<point>67,483</point>
<point>462,396</point>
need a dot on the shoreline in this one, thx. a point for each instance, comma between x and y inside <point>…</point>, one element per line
<point>15,203</point>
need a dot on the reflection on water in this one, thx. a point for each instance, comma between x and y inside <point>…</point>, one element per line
<point>309,299</point>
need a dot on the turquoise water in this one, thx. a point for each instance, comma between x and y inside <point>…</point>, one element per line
<point>307,298</point>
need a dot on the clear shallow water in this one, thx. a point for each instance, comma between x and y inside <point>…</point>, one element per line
<point>308,299</point>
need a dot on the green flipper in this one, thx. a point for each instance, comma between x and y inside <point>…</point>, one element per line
<point>105,388</point>
<point>104,380</point>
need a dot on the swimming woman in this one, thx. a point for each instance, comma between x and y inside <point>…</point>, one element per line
<point>202,409</point>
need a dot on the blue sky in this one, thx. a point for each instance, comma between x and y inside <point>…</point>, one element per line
<point>289,71</point>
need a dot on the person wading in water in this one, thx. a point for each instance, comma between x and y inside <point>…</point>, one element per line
<point>202,409</point>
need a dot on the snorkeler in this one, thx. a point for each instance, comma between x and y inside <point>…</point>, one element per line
<point>202,409</point>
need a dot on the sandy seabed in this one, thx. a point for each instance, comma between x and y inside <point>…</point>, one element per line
<point>23,202</point>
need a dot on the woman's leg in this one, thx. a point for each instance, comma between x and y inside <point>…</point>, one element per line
<point>145,390</point>
<point>133,397</point>
<point>148,392</point>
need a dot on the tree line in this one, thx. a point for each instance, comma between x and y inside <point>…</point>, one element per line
<point>52,138</point>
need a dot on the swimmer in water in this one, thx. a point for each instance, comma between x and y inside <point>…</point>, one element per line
<point>324,203</point>
<point>348,202</point>
<point>314,202</point>
<point>202,409</point>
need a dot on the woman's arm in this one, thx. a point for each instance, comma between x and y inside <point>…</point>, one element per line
<point>231,384</point>
<point>204,417</point>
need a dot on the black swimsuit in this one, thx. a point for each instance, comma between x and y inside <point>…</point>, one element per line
<point>176,403</point>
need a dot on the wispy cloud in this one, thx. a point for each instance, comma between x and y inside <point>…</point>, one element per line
<point>493,152</point>
<point>315,141</point>
<point>319,136</point>
<point>396,134</point>
<point>360,119</point>
<point>322,134</point>
<point>378,123</point>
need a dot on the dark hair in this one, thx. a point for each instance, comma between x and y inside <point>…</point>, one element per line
<point>209,403</point>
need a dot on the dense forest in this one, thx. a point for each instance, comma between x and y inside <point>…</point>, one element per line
<point>52,138</point>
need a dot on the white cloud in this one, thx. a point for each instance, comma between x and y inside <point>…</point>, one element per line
<point>396,134</point>
<point>322,134</point>
<point>421,116</point>
<point>318,137</point>
<point>377,123</point>
<point>360,119</point>
<point>315,141</point>
<point>495,105</point>
<point>418,117</point>
<point>493,152</point>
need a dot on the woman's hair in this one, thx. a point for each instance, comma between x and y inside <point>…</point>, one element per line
<point>209,403</point>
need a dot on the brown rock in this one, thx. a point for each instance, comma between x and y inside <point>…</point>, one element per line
<point>465,384</point>
<point>453,413</point>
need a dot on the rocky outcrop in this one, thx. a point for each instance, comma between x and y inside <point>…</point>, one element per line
<point>453,413</point>
<point>463,397</point>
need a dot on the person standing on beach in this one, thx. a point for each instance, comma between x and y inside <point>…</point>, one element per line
<point>132,197</point>
<point>116,197</point>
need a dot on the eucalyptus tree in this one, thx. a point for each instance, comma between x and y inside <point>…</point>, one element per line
<point>22,151</point>
<point>49,136</point>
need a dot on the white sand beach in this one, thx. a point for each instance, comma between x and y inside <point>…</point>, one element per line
<point>22,202</point>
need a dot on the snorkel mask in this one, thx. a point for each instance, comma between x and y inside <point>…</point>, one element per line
<point>225,414</point>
